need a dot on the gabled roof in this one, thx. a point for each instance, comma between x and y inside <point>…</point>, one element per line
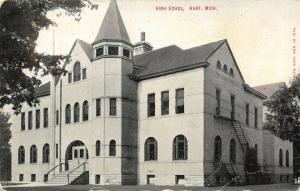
<point>269,89</point>
<point>87,48</point>
<point>112,27</point>
<point>172,59</point>
<point>43,90</point>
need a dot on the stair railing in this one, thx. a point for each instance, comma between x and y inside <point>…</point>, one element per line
<point>240,120</point>
<point>82,164</point>
<point>52,170</point>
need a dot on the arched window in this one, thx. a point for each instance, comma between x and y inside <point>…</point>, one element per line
<point>76,72</point>
<point>232,151</point>
<point>280,158</point>
<point>219,64</point>
<point>98,148</point>
<point>287,158</point>
<point>68,113</point>
<point>231,72</point>
<point>180,148</point>
<point>112,148</point>
<point>225,68</point>
<point>150,149</point>
<point>46,152</point>
<point>21,155</point>
<point>217,149</point>
<point>33,154</point>
<point>76,112</point>
<point>85,111</point>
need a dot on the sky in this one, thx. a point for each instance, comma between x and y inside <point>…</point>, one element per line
<point>259,32</point>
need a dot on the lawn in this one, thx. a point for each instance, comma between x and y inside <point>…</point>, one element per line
<point>270,187</point>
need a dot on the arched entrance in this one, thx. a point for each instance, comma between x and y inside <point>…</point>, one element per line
<point>76,154</point>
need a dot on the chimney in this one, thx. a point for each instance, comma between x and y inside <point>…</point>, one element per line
<point>142,46</point>
<point>143,36</point>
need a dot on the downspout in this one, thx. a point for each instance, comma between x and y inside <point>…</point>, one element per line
<point>60,114</point>
<point>104,115</point>
<point>54,120</point>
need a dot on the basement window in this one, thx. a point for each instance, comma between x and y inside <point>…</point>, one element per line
<point>113,50</point>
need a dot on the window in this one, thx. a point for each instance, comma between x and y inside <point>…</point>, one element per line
<point>76,154</point>
<point>81,151</point>
<point>231,72</point>
<point>33,177</point>
<point>165,103</point>
<point>126,53</point>
<point>21,177</point>
<point>112,106</point>
<point>33,154</point>
<point>30,120</point>
<point>232,101</point>
<point>219,65</point>
<point>85,111</point>
<point>98,107</point>
<point>46,153</point>
<point>280,158</point>
<point>98,148</point>
<point>21,155</point>
<point>23,121</point>
<point>113,50</point>
<point>256,152</point>
<point>69,77</point>
<point>217,149</point>
<point>218,99</point>
<point>76,72</point>
<point>68,114</point>
<point>56,150</point>
<point>112,148</point>
<point>97,179</point>
<point>247,114</point>
<point>232,151</point>
<point>76,112</point>
<point>179,179</point>
<point>37,119</point>
<point>225,68</point>
<point>84,73</point>
<point>179,101</point>
<point>99,51</point>
<point>45,117</point>
<point>57,117</point>
<point>150,178</point>
<point>255,117</point>
<point>151,105</point>
<point>287,158</point>
<point>180,148</point>
<point>150,149</point>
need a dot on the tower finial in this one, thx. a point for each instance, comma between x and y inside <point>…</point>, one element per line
<point>112,27</point>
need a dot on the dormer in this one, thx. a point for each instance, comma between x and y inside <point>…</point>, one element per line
<point>112,39</point>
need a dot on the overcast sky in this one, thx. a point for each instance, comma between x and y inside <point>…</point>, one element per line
<point>259,32</point>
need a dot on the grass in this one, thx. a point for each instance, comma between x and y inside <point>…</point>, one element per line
<point>270,187</point>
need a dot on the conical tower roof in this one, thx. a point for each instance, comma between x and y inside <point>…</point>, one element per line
<point>112,27</point>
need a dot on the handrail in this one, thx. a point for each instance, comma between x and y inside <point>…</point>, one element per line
<point>240,120</point>
<point>82,164</point>
<point>53,169</point>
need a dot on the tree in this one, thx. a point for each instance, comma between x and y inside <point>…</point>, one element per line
<point>5,154</point>
<point>284,111</point>
<point>20,24</point>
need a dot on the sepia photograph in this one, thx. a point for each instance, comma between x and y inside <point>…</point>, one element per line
<point>142,95</point>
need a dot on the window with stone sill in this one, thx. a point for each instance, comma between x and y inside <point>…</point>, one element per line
<point>99,51</point>
<point>113,50</point>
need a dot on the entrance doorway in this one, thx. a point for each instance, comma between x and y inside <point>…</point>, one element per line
<point>76,154</point>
